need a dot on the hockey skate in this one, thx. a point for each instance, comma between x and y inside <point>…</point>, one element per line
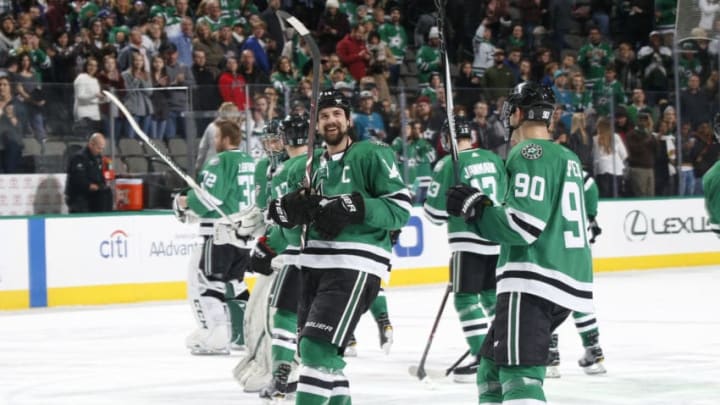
<point>386,333</point>
<point>351,348</point>
<point>552,369</point>
<point>280,387</point>
<point>208,341</point>
<point>591,362</point>
<point>466,374</point>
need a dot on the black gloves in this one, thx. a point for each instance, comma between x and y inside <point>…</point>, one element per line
<point>261,256</point>
<point>337,213</point>
<point>395,236</point>
<point>594,229</point>
<point>467,202</point>
<point>296,208</point>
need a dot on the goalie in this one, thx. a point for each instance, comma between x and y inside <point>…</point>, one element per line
<point>215,284</point>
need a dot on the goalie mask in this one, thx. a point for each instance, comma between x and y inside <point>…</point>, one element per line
<point>294,129</point>
<point>462,131</point>
<point>537,102</point>
<point>272,142</point>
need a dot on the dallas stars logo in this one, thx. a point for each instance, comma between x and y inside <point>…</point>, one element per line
<point>532,151</point>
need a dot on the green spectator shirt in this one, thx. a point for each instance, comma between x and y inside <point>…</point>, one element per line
<point>428,61</point>
<point>396,39</point>
<point>593,59</point>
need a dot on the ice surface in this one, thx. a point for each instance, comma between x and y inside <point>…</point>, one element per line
<point>660,331</point>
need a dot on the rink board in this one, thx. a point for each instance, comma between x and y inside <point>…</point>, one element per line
<point>117,258</point>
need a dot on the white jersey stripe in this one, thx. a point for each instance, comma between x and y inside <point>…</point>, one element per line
<point>549,273</point>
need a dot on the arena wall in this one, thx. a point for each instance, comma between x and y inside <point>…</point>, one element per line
<point>132,257</point>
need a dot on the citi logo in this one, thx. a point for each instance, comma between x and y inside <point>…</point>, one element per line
<point>116,246</point>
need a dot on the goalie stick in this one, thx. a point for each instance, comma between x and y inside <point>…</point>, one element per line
<point>202,194</point>
<point>316,57</point>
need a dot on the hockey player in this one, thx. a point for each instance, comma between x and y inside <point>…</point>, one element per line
<point>474,258</point>
<point>544,268</point>
<point>278,240</point>
<point>216,285</point>
<point>586,323</point>
<point>358,197</point>
<point>711,185</point>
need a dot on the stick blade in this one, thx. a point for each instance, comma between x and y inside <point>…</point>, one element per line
<point>424,374</point>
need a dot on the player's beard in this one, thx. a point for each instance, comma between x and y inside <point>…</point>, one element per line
<point>334,138</point>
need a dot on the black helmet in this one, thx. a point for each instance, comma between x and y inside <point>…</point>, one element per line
<point>294,129</point>
<point>462,130</point>
<point>333,98</point>
<point>716,127</point>
<point>536,101</point>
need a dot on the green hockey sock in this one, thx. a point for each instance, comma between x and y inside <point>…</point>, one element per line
<point>473,320</point>
<point>284,338</point>
<point>522,383</point>
<point>321,380</point>
<point>488,299</point>
<point>236,297</point>
<point>379,305</point>
<point>488,382</point>
<point>587,327</point>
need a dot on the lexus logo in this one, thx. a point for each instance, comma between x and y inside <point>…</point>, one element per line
<point>636,226</point>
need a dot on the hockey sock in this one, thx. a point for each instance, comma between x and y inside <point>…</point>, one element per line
<point>321,375</point>
<point>237,296</point>
<point>587,327</point>
<point>488,299</point>
<point>379,305</point>
<point>284,338</point>
<point>474,322</point>
<point>522,383</point>
<point>488,382</point>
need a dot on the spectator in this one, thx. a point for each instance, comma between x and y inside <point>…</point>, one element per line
<point>368,124</point>
<point>11,136</point>
<point>154,40</point>
<point>608,94</point>
<point>204,42</point>
<point>670,117</point>
<point>498,131</point>
<point>642,151</point>
<point>638,104</point>
<point>580,142</point>
<point>9,38</point>
<point>708,10</point>
<point>627,67</point>
<point>122,10</point>
<point>415,156</point>
<point>483,50</point>
<point>517,40</point>
<point>137,100</point>
<point>206,96</point>
<point>88,97</point>
<point>694,103</point>
<point>253,75</point>
<point>542,59</point>
<point>111,80</point>
<point>655,62</point>
<point>581,98</point>
<point>513,63</point>
<point>525,71</point>
<point>485,134</point>
<point>665,14</point>
<point>623,123</point>
<point>532,12</point>
<point>467,86</point>
<point>431,122</point>
<point>434,87</point>
<point>231,84</point>
<point>393,34</point>
<point>561,21</point>
<point>257,45</point>
<point>640,21</point>
<point>179,75</point>
<point>183,41</point>
<point>563,95</point>
<point>594,57</point>
<point>687,174</point>
<point>135,46</point>
<point>275,108</point>
<point>498,78</point>
<point>608,155</point>
<point>332,27</point>
<point>665,173</point>
<point>206,147</point>
<point>212,15</point>
<point>428,57</point>
<point>353,52</point>
<point>705,153</point>
<point>273,24</point>
<point>159,98</point>
<point>85,189</point>
<point>379,64</point>
<point>284,78</point>
<point>29,90</point>
<point>688,64</point>
<point>175,18</point>
<point>569,65</point>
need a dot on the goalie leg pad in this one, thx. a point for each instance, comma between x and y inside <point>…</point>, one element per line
<point>237,296</point>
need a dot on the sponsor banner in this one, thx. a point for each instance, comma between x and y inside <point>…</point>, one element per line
<point>14,266</point>
<point>117,249</point>
<point>31,194</point>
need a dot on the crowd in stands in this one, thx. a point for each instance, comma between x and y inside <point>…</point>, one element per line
<point>609,62</point>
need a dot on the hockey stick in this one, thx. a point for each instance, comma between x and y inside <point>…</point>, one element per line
<point>201,193</point>
<point>438,374</point>
<point>449,104</point>
<point>316,57</point>
<point>420,371</point>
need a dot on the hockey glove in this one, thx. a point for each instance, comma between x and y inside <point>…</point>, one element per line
<point>296,208</point>
<point>467,202</point>
<point>394,236</point>
<point>594,229</point>
<point>261,257</point>
<point>337,213</point>
<point>179,211</point>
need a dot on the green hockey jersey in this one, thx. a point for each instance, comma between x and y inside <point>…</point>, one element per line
<point>711,186</point>
<point>479,168</point>
<point>542,227</point>
<point>262,185</point>
<point>592,195</point>
<point>228,180</point>
<point>396,39</point>
<point>415,167</point>
<point>370,169</point>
